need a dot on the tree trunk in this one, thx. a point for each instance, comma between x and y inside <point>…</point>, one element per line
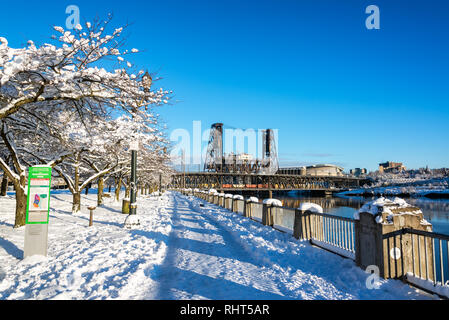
<point>21,206</point>
<point>76,204</point>
<point>127,192</point>
<point>100,191</point>
<point>4,187</point>
<point>117,189</point>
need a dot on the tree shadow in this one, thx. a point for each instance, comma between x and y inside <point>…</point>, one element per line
<point>110,209</point>
<point>11,249</point>
<point>115,224</point>
<point>212,288</point>
<point>6,224</point>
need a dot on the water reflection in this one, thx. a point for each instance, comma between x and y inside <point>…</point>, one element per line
<point>435,211</point>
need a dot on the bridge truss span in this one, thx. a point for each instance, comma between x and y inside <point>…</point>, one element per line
<point>263,182</point>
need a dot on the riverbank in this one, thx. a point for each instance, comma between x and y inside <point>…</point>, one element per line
<point>398,191</point>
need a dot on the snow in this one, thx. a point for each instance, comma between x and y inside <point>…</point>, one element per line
<point>184,248</point>
<point>238,197</point>
<point>273,202</point>
<point>382,205</point>
<point>442,290</point>
<point>132,221</point>
<point>253,199</point>
<point>228,196</point>
<point>313,207</point>
<point>340,251</point>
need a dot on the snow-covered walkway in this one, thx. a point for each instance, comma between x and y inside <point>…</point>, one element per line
<point>185,248</point>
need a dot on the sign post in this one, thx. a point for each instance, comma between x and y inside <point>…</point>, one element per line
<point>37,211</point>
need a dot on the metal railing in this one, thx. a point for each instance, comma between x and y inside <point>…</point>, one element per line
<point>256,211</point>
<point>283,219</point>
<point>429,262</point>
<point>334,233</point>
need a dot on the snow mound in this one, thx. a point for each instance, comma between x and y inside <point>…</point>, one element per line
<point>313,207</point>
<point>385,208</point>
<point>253,199</point>
<point>221,194</point>
<point>212,191</point>
<point>273,202</point>
<point>228,195</point>
<point>237,197</point>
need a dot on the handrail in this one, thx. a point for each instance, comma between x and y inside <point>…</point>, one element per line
<point>330,216</point>
<point>417,232</point>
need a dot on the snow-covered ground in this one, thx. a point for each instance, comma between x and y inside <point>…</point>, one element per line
<point>416,185</point>
<point>184,248</point>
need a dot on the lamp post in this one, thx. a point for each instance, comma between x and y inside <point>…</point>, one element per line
<point>134,147</point>
<point>133,205</point>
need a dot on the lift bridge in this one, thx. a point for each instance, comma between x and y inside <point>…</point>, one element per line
<point>241,173</point>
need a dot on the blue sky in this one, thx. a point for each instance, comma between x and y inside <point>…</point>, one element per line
<point>336,91</point>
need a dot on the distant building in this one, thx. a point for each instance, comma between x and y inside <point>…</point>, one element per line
<point>315,170</point>
<point>324,170</point>
<point>391,167</point>
<point>299,171</point>
<point>358,172</point>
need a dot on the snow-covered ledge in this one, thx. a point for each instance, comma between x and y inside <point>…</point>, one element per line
<point>253,199</point>
<point>312,207</point>
<point>273,202</point>
<point>228,195</point>
<point>237,197</point>
<point>385,210</point>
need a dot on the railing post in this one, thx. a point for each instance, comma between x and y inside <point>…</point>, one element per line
<point>298,225</point>
<point>247,208</point>
<point>267,216</point>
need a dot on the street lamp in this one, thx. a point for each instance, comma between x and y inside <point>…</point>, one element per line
<point>134,147</point>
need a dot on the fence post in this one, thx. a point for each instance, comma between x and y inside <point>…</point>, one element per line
<point>247,208</point>
<point>234,205</point>
<point>298,225</point>
<point>267,217</point>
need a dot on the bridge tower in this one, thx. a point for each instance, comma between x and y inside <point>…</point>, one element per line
<point>216,161</point>
<point>214,156</point>
<point>270,161</point>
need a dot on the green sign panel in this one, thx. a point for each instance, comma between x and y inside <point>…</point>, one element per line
<point>38,201</point>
